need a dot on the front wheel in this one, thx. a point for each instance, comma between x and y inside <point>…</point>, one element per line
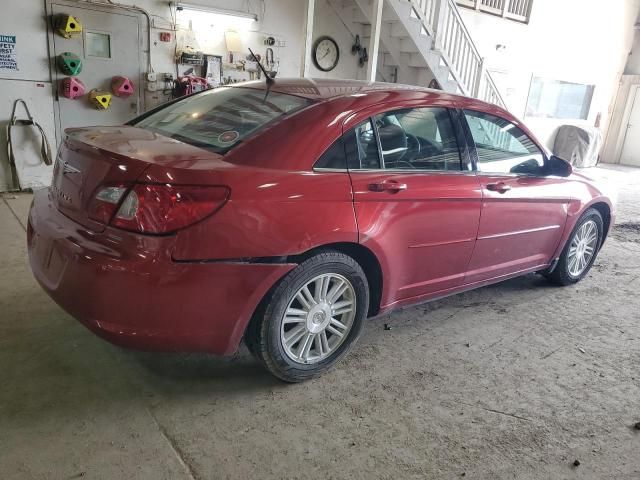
<point>312,318</point>
<point>581,250</point>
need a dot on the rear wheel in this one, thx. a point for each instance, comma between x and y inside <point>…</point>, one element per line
<point>581,250</point>
<point>313,317</point>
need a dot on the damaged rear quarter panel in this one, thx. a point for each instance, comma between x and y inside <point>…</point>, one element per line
<point>273,213</point>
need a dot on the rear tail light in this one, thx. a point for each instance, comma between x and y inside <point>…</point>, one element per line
<point>105,202</point>
<point>159,209</point>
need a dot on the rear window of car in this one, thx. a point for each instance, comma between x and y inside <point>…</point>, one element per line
<point>219,119</point>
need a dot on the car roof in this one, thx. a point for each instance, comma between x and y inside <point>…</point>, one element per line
<point>325,89</point>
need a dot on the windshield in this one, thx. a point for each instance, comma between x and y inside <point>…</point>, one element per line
<point>221,118</point>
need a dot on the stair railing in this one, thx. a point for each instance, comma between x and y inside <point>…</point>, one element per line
<point>518,10</point>
<point>441,19</point>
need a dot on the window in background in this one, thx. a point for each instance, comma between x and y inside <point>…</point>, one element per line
<point>98,44</point>
<point>557,99</point>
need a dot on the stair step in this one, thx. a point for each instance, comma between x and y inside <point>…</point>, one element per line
<point>389,61</point>
<point>399,31</point>
<point>416,60</point>
<point>365,18</point>
<point>406,44</point>
<point>403,10</point>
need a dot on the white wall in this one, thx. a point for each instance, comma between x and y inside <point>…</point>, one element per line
<point>327,22</point>
<point>633,62</point>
<point>283,19</point>
<point>581,41</point>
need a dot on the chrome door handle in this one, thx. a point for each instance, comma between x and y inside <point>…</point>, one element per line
<point>390,186</point>
<point>499,187</point>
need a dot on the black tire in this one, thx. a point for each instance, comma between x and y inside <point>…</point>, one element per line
<point>263,336</point>
<point>561,274</point>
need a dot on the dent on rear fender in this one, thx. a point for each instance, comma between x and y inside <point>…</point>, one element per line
<point>287,215</point>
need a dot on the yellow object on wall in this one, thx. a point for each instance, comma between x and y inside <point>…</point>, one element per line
<point>100,100</point>
<point>68,26</point>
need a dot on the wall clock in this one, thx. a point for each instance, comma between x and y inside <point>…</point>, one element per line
<point>325,54</point>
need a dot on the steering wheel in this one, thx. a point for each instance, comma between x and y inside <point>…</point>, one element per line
<point>413,146</point>
<point>404,162</point>
<point>430,147</point>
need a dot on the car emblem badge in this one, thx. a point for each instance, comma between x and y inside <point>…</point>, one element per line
<point>67,169</point>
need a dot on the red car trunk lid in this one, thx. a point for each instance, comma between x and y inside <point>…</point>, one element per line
<point>95,156</point>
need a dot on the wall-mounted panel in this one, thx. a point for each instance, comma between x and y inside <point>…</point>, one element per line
<point>24,23</point>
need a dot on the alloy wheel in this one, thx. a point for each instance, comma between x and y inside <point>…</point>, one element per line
<point>318,318</point>
<point>583,248</point>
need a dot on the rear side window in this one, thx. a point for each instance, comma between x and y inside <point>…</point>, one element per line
<point>410,139</point>
<point>334,157</point>
<point>503,147</point>
<point>361,146</point>
<point>219,119</point>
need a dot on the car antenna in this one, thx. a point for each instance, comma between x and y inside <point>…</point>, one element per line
<point>268,78</point>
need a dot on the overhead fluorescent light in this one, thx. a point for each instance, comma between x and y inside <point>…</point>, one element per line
<point>218,11</point>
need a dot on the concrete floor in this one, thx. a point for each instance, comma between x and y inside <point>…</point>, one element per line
<point>516,380</point>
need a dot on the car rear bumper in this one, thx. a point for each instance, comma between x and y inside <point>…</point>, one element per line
<point>127,289</point>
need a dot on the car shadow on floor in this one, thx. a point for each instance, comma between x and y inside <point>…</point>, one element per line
<point>242,371</point>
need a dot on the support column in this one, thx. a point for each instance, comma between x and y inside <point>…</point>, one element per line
<point>477,85</point>
<point>305,65</point>
<point>374,42</point>
<point>438,24</point>
<point>505,7</point>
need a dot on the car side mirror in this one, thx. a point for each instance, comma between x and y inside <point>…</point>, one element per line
<point>559,167</point>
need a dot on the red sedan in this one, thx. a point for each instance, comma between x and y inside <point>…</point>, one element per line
<point>289,213</point>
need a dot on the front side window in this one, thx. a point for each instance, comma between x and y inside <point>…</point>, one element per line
<point>502,146</point>
<point>408,139</point>
<point>219,119</point>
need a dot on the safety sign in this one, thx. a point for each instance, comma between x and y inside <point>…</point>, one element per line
<point>8,52</point>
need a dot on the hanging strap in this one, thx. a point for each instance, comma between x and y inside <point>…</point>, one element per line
<point>45,147</point>
<point>15,181</point>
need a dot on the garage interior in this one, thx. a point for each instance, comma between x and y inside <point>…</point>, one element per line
<point>517,380</point>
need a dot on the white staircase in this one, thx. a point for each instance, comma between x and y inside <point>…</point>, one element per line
<point>421,40</point>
